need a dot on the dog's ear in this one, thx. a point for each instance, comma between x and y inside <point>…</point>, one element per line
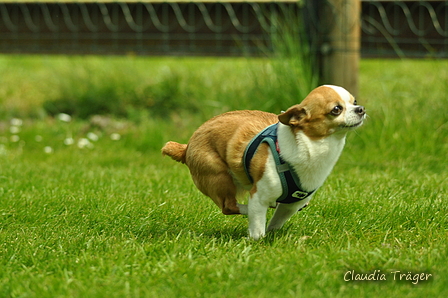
<point>293,115</point>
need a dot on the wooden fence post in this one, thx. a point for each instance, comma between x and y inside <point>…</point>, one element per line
<point>340,48</point>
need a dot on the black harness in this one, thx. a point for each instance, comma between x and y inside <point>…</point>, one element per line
<point>292,188</point>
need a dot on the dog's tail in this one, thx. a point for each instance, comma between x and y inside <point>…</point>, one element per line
<point>175,150</point>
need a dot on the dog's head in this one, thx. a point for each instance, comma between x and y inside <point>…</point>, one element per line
<point>326,110</point>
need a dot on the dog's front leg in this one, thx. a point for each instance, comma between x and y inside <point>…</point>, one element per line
<point>257,217</point>
<point>284,212</point>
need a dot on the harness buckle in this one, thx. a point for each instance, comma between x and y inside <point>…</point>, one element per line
<point>299,194</point>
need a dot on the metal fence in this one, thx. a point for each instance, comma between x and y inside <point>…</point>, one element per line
<point>148,28</point>
<point>389,28</point>
<point>405,28</point>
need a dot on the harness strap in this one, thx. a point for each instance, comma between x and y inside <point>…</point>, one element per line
<point>292,188</point>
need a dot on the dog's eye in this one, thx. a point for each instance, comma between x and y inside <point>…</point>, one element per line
<point>337,110</point>
<point>355,103</point>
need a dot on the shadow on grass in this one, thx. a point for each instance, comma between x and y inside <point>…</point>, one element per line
<point>226,232</point>
<point>176,228</point>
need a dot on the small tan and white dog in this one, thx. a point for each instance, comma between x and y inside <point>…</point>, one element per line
<point>310,139</point>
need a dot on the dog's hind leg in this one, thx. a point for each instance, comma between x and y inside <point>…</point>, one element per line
<point>226,193</point>
<point>221,188</point>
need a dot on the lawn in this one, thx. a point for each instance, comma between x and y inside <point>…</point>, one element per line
<point>89,208</point>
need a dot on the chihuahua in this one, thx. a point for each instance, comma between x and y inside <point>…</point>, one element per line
<point>280,160</point>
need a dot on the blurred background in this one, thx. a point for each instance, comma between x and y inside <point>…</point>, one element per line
<point>139,60</point>
<point>322,40</point>
<point>219,28</point>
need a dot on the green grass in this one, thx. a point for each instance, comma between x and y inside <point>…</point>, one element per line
<point>124,86</point>
<point>117,220</point>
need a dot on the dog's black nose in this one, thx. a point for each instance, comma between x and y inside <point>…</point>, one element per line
<point>360,110</point>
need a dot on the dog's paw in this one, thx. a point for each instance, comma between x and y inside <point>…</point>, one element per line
<point>256,237</point>
<point>243,209</point>
<point>256,234</point>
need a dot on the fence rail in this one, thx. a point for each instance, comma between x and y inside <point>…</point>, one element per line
<point>389,28</point>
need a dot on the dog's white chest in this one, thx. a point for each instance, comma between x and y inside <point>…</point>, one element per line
<point>312,160</point>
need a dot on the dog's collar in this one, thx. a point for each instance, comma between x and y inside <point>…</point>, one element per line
<point>292,188</point>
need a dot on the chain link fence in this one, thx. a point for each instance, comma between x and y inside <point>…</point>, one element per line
<point>388,28</point>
